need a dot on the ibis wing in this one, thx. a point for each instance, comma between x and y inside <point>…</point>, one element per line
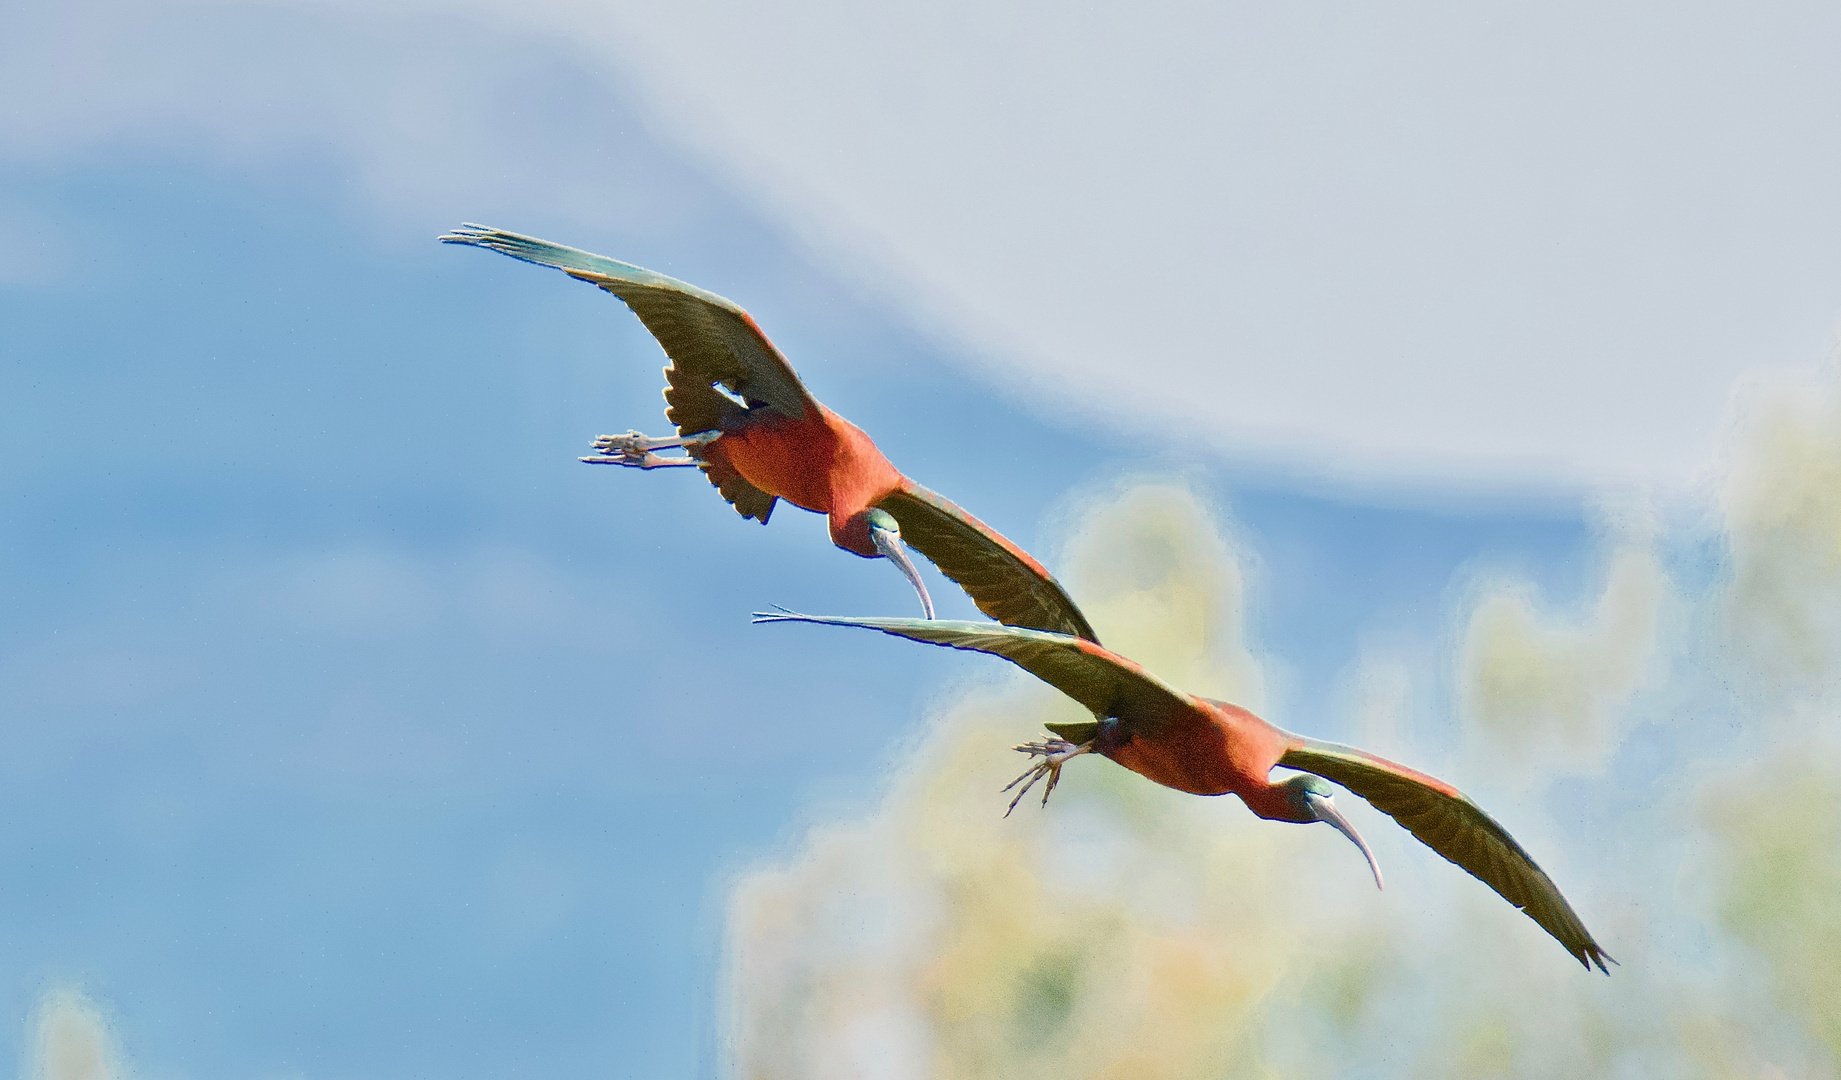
<point>1107,684</point>
<point>1446,821</point>
<point>709,339</point>
<point>1001,578</point>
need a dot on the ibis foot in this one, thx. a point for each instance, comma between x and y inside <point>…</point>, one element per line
<point>1054,754</point>
<point>635,450</point>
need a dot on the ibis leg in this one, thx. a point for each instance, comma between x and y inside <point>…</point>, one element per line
<point>635,450</point>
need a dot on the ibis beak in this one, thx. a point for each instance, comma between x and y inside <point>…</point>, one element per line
<point>1325,809</point>
<point>888,542</point>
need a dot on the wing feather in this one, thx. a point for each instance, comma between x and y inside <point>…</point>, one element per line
<point>1109,685</point>
<point>1000,577</point>
<point>710,341</point>
<point>1446,821</point>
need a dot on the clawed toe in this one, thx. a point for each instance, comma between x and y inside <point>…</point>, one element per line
<point>1054,754</point>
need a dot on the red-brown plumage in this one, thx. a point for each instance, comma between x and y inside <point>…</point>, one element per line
<point>1198,745</point>
<point>1219,748</point>
<point>1210,748</point>
<point>820,462</point>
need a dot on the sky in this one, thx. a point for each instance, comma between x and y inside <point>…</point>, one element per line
<point>1454,382</point>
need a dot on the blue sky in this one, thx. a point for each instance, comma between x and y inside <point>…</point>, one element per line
<point>353,728</point>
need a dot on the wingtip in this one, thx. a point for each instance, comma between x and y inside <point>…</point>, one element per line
<point>468,233</point>
<point>778,614</point>
<point>1591,955</point>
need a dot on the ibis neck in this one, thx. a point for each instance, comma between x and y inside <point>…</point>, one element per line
<point>1274,802</point>
<point>852,534</point>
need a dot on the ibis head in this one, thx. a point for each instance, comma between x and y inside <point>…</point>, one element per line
<point>1311,798</point>
<point>886,535</point>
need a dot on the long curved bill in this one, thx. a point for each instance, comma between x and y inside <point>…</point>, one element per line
<point>897,552</point>
<point>1325,809</point>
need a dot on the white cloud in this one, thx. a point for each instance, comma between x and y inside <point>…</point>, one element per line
<point>1432,241</point>
<point>72,1040</point>
<point>1782,495</point>
<point>1556,692</point>
<point>434,117</point>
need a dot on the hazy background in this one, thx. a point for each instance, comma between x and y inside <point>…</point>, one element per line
<point>1416,375</point>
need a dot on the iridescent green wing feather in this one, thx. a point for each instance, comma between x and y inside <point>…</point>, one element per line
<point>1446,821</point>
<point>1107,684</point>
<point>710,341</point>
<point>1000,577</point>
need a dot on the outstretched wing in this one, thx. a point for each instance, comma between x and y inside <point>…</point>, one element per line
<point>1106,683</point>
<point>710,340</point>
<point>707,337</point>
<point>1450,824</point>
<point>1001,578</point>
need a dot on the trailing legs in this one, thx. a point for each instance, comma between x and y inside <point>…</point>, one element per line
<point>635,450</point>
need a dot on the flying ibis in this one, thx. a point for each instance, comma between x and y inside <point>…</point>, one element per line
<point>767,439</point>
<point>1207,747</point>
